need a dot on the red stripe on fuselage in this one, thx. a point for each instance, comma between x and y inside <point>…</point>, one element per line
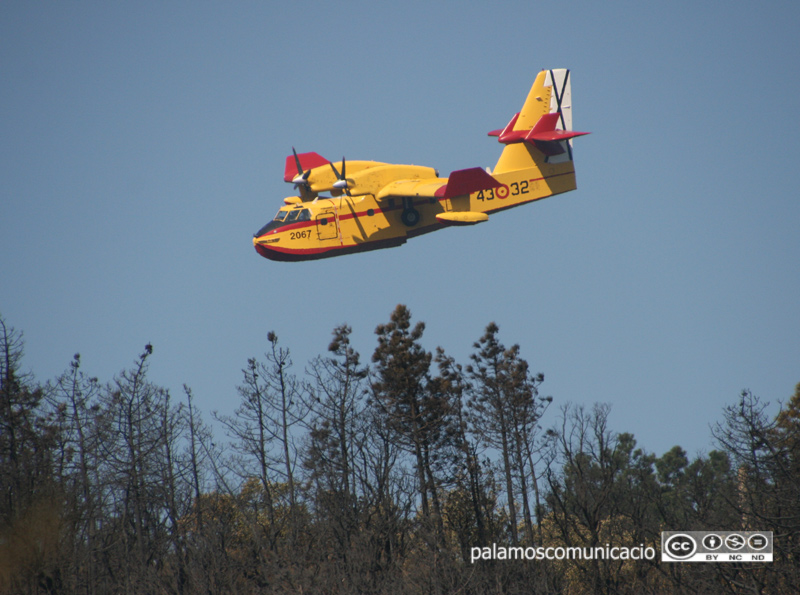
<point>296,254</point>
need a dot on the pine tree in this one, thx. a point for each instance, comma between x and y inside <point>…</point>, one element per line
<point>420,418</point>
<point>505,409</point>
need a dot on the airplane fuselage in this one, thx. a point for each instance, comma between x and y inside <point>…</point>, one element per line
<point>334,226</point>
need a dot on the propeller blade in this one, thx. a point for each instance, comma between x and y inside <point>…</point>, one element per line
<point>335,171</point>
<point>341,179</point>
<point>297,162</point>
<point>301,179</point>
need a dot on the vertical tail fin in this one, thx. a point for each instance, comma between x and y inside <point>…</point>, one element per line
<point>541,132</point>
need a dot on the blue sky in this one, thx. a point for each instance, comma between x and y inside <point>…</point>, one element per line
<point>144,143</point>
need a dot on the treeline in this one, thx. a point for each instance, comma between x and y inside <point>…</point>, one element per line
<point>369,478</point>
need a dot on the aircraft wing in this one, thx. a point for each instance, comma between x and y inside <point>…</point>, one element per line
<point>460,182</point>
<point>425,188</point>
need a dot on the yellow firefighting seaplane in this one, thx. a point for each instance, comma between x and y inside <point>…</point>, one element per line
<point>376,205</point>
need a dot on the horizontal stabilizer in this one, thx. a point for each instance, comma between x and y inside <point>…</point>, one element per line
<point>462,217</point>
<point>307,161</point>
<point>467,181</point>
<point>545,130</point>
<point>502,132</point>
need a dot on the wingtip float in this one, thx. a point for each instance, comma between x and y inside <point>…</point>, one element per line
<point>371,205</point>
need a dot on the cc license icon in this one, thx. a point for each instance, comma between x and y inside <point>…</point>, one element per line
<point>680,546</point>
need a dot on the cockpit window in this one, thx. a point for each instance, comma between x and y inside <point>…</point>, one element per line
<point>298,215</point>
<point>285,218</point>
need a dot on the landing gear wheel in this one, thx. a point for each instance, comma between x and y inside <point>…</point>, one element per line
<point>410,217</point>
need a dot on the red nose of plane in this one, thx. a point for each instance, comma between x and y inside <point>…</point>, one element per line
<point>261,247</point>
